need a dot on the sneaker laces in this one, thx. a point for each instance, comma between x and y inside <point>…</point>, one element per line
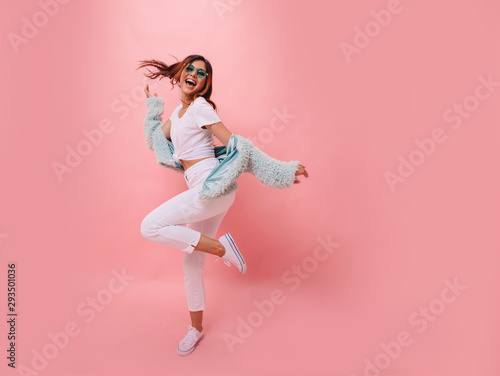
<point>225,261</point>
<point>191,336</point>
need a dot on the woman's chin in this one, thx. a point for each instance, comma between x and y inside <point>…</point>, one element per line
<point>188,92</point>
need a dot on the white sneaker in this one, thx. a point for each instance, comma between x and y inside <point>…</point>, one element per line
<point>232,255</point>
<point>187,344</point>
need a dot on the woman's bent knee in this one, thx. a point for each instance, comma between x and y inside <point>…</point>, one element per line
<point>148,228</point>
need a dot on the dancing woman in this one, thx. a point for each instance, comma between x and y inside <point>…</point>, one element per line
<point>190,132</point>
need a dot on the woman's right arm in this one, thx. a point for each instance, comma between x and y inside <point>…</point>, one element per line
<point>153,119</point>
<point>166,129</point>
<point>157,133</point>
<point>154,111</point>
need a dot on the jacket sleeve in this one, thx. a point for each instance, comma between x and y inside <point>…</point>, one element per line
<point>155,138</point>
<point>271,171</point>
<point>153,119</point>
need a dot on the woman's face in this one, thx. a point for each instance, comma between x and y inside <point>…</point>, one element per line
<point>189,89</point>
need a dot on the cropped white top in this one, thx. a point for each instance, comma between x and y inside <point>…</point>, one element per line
<point>190,140</point>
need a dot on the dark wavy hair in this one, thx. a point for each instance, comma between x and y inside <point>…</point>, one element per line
<point>174,72</point>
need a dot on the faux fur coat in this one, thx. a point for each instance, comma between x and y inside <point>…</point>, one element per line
<point>239,156</point>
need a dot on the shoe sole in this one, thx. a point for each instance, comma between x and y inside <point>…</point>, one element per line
<point>237,252</point>
<point>184,353</point>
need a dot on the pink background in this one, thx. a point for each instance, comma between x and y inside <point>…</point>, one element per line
<point>354,118</point>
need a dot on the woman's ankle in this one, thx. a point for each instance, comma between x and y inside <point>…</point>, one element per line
<point>221,251</point>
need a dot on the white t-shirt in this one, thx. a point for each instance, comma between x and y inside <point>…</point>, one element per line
<point>190,140</point>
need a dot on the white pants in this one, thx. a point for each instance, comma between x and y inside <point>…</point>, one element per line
<point>165,225</point>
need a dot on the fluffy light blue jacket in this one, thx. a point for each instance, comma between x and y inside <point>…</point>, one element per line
<point>239,156</point>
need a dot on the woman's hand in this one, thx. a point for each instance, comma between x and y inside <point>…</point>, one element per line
<point>300,171</point>
<point>148,94</point>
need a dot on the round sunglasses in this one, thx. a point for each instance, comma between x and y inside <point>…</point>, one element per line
<point>190,68</point>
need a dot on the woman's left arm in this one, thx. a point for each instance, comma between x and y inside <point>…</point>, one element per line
<point>223,135</point>
<point>220,131</point>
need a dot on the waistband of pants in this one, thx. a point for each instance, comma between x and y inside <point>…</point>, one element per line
<point>199,166</point>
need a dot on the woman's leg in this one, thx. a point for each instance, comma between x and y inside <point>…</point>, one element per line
<point>193,265</point>
<point>165,223</point>
<point>197,320</point>
<point>202,218</point>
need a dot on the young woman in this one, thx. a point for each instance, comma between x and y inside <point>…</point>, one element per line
<point>191,129</point>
